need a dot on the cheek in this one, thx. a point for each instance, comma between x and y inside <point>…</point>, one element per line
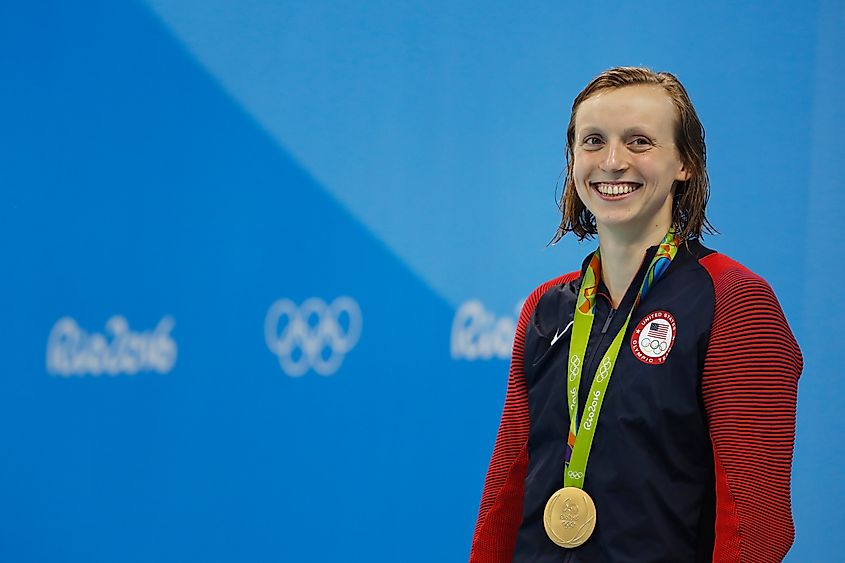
<point>579,176</point>
<point>662,168</point>
<point>580,169</point>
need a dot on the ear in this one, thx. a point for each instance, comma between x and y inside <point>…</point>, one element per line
<point>683,174</point>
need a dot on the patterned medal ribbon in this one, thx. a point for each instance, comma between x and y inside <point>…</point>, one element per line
<point>580,439</point>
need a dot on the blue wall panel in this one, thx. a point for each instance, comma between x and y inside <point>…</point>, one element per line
<point>170,170</point>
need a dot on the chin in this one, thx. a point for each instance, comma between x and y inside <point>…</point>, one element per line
<point>623,224</point>
<point>615,221</point>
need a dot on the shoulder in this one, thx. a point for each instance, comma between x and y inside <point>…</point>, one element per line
<point>543,306</point>
<point>544,291</point>
<point>720,266</point>
<point>734,283</point>
<point>727,275</point>
<point>746,307</point>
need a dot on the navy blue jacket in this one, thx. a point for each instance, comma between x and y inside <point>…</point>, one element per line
<point>683,468</point>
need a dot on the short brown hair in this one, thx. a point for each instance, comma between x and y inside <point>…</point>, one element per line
<point>690,198</point>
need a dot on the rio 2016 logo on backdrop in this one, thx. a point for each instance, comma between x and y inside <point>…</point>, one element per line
<point>478,334</point>
<point>314,335</point>
<point>73,351</point>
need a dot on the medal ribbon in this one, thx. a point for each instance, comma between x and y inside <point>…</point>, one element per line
<point>578,450</point>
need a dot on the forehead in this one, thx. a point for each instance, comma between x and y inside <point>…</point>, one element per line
<point>642,105</point>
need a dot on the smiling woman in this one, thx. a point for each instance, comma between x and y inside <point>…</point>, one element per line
<point>690,447</point>
<point>686,135</point>
<point>625,152</point>
<point>625,173</point>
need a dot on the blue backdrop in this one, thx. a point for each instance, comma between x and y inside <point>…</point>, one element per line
<point>261,260</point>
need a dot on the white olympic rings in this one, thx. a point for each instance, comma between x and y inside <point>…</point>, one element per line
<point>313,335</point>
<point>604,370</point>
<point>574,363</point>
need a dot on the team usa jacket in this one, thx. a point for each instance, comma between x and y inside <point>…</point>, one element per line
<point>693,449</point>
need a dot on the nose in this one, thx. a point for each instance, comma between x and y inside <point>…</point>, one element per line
<point>614,157</point>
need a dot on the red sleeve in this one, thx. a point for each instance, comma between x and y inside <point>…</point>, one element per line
<point>749,387</point>
<point>501,502</point>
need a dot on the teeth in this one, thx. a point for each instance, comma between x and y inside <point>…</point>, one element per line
<point>616,189</point>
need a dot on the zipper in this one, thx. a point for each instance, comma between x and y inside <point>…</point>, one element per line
<point>607,322</point>
<point>588,366</point>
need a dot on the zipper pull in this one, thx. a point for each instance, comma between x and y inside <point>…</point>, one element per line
<point>607,322</point>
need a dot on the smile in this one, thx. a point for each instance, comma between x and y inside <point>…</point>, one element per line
<point>615,189</point>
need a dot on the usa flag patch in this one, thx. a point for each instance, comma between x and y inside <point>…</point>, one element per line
<point>653,338</point>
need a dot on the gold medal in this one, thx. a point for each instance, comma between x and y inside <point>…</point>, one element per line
<point>569,517</point>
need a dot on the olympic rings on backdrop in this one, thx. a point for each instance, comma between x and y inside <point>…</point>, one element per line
<point>314,335</point>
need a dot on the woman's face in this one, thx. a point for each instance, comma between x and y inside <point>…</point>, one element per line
<point>625,160</point>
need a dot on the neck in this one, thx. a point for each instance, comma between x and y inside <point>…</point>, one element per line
<point>622,254</point>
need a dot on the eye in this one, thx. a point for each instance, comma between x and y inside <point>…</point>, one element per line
<point>640,143</point>
<point>592,141</point>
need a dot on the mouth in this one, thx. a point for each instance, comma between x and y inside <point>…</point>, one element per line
<point>615,190</point>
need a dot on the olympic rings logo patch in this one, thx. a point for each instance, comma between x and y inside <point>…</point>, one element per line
<point>575,474</point>
<point>604,370</point>
<point>314,335</point>
<point>654,337</point>
<point>574,363</point>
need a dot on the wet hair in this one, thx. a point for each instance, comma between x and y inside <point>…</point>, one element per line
<point>690,196</point>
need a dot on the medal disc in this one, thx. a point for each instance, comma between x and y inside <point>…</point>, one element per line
<point>569,517</point>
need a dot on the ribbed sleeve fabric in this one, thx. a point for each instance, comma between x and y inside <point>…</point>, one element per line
<point>749,388</point>
<point>500,513</point>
